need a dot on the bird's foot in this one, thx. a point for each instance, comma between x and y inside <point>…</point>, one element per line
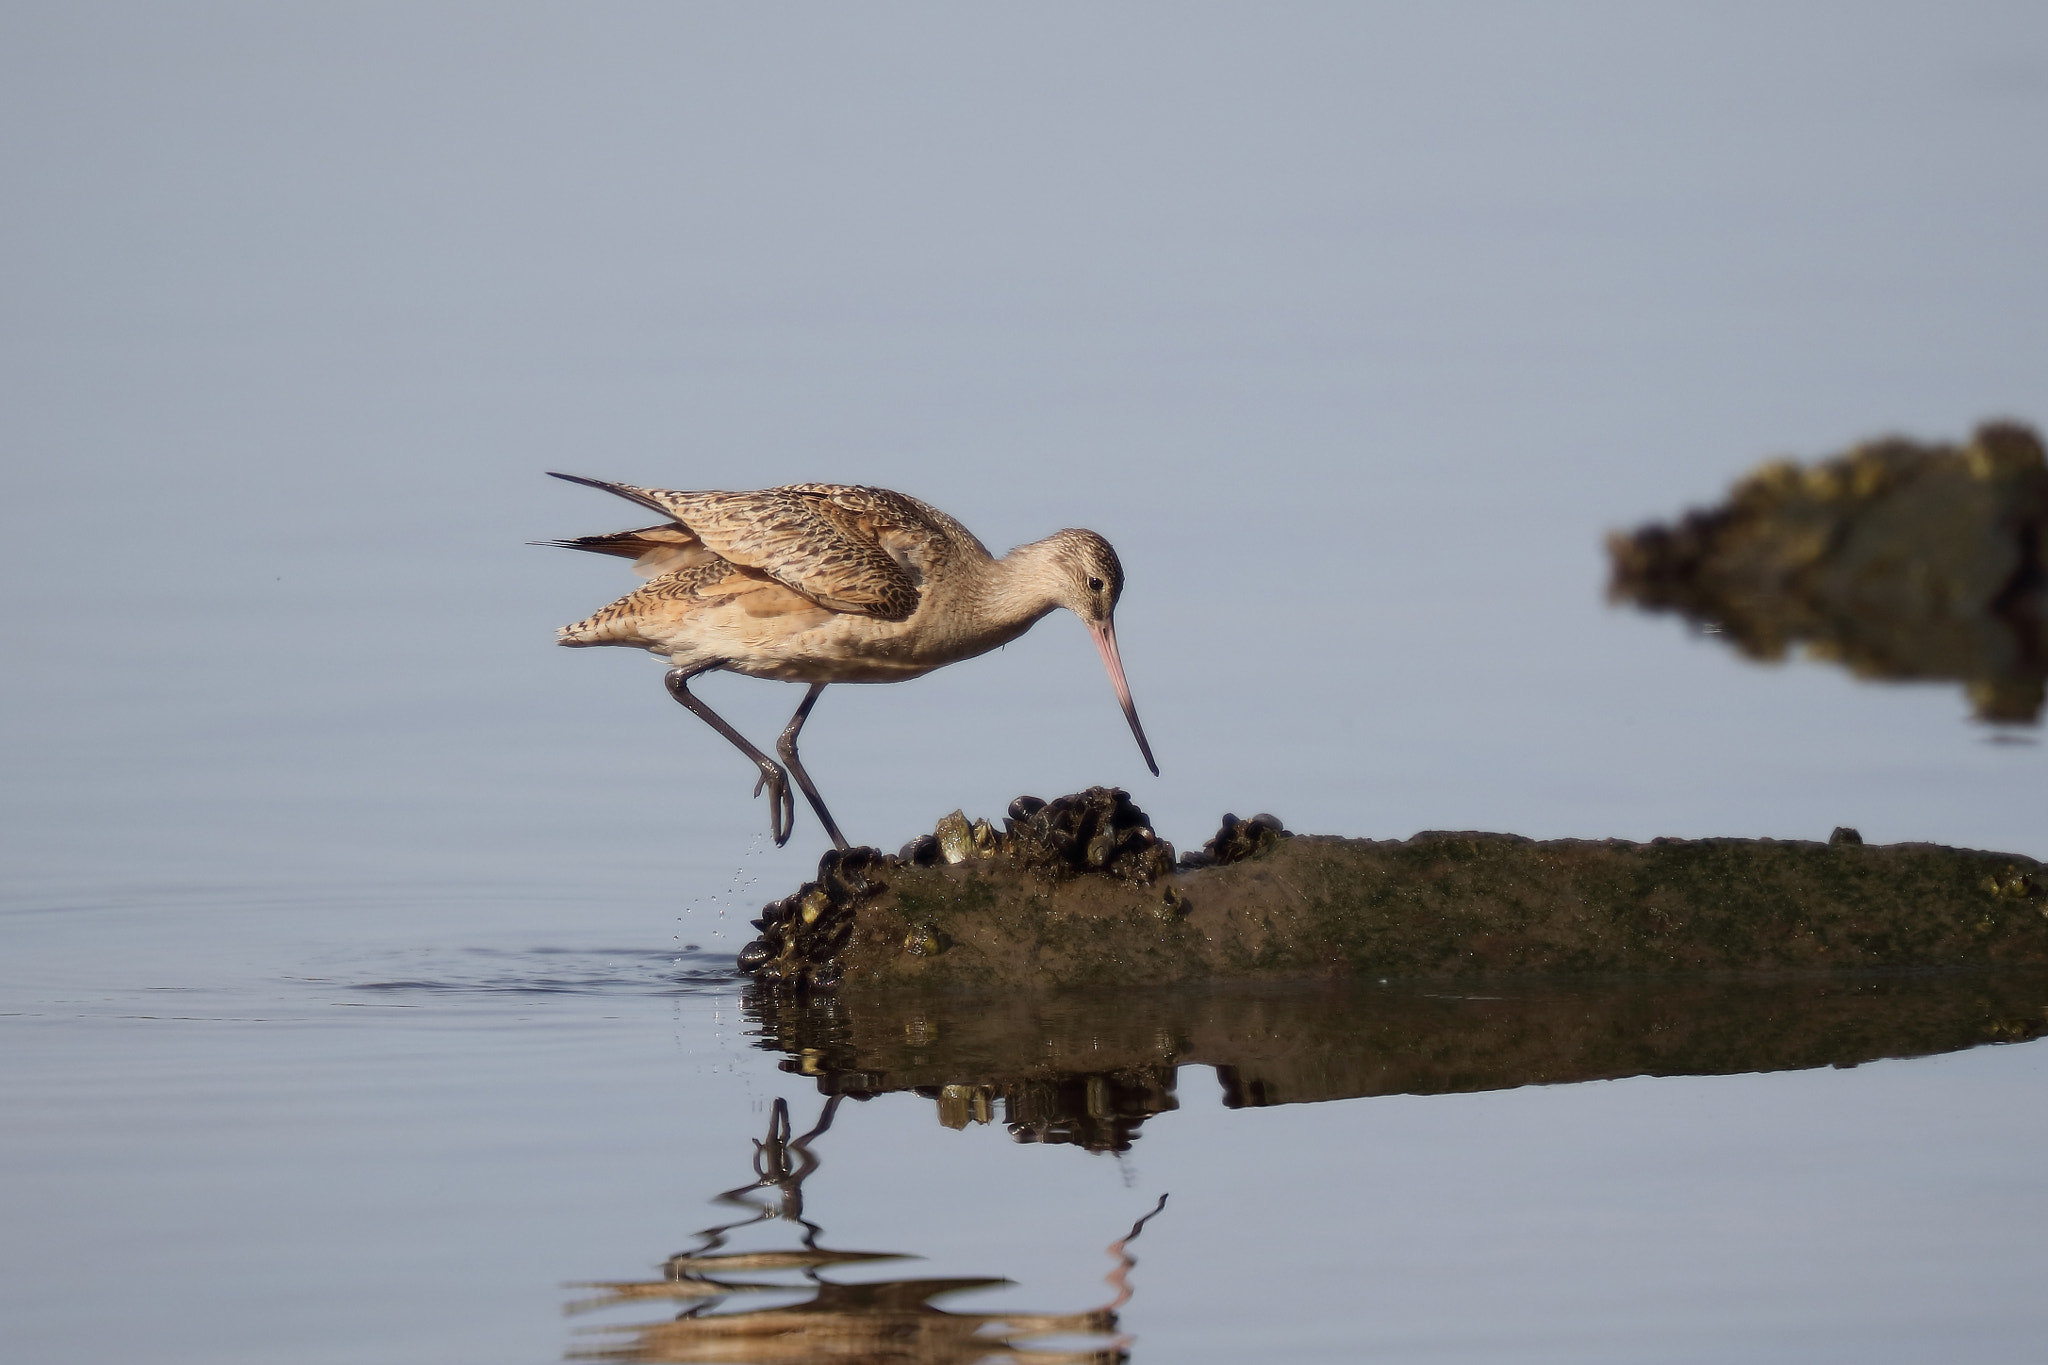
<point>781,805</point>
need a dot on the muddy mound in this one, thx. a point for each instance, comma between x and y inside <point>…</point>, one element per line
<point>1081,891</point>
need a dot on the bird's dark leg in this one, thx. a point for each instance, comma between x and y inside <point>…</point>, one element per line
<point>786,746</point>
<point>781,805</point>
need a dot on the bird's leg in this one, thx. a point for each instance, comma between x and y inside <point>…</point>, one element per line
<point>786,746</point>
<point>781,805</point>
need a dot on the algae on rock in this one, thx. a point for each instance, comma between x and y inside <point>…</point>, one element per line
<point>1092,897</point>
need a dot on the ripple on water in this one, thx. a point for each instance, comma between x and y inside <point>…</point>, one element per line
<point>269,954</point>
<point>555,971</point>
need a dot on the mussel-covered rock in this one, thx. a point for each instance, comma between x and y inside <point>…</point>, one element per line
<point>1099,830</point>
<point>1237,840</point>
<point>804,935</point>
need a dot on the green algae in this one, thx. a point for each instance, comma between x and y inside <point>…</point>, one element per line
<point>1460,904</point>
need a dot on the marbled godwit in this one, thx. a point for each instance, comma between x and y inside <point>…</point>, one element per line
<point>822,583</point>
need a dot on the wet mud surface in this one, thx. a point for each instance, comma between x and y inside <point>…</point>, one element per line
<point>1082,892</point>
<point>1898,560</point>
<point>1089,1069</point>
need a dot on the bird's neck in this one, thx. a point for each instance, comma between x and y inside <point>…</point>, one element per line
<point>1002,598</point>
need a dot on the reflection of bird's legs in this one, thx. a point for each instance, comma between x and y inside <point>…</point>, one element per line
<point>773,1169</point>
<point>793,1188</point>
<point>771,1155</point>
<point>781,805</point>
<point>825,1115</point>
<point>786,746</point>
<point>781,1163</point>
<point>1121,1250</point>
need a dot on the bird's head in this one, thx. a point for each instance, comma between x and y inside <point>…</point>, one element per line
<point>1086,577</point>
<point>1087,580</point>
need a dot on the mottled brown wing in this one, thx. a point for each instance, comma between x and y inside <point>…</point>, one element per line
<point>915,534</point>
<point>850,548</point>
<point>802,537</point>
<point>810,538</point>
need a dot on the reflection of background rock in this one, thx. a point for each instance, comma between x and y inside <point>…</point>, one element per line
<point>1088,1070</point>
<point>1901,561</point>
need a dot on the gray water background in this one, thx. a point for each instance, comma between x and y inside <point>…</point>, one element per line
<point>1353,328</point>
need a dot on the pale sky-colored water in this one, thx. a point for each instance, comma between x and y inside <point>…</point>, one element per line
<point>1354,328</point>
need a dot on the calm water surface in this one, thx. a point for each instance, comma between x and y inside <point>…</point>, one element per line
<point>363,957</point>
<point>434,1152</point>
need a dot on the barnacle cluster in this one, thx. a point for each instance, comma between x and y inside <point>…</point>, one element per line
<point>803,933</point>
<point>1239,839</point>
<point>1096,831</point>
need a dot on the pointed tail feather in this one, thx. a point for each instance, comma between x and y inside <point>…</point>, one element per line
<point>626,491</point>
<point>628,544</point>
<point>654,550</point>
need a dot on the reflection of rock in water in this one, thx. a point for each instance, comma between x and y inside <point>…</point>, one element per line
<point>1090,1069</point>
<point>875,1321</point>
<point>979,1048</point>
<point>1900,561</point>
<point>1100,1111</point>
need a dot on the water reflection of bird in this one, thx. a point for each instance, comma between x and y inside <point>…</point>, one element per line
<point>889,1320</point>
<point>825,583</point>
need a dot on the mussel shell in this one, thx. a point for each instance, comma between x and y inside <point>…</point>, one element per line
<point>1101,848</point>
<point>956,838</point>
<point>925,941</point>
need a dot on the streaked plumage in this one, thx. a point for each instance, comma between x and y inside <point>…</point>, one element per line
<point>825,583</point>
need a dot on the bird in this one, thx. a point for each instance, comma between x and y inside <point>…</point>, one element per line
<point>824,583</point>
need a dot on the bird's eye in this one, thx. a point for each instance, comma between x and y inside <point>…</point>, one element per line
<point>1095,585</point>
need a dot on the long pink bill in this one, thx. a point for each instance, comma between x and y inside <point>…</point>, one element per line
<point>1105,640</point>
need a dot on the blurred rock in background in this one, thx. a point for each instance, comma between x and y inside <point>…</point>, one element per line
<point>1898,560</point>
